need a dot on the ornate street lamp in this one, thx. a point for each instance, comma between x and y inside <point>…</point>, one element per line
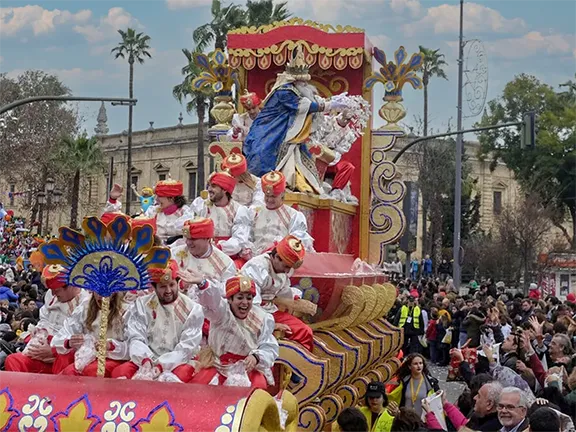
<point>57,196</point>
<point>49,185</point>
<point>41,198</point>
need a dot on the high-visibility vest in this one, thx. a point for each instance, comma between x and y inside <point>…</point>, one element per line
<point>415,316</point>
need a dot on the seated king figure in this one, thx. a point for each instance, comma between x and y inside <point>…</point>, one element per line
<point>277,138</point>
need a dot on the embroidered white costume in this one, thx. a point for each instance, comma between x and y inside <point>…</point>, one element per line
<point>239,337</point>
<point>271,226</point>
<point>54,313</point>
<point>75,325</point>
<point>167,334</point>
<point>215,266</point>
<point>232,224</point>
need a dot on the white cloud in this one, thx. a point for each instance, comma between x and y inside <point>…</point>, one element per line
<point>380,41</point>
<point>117,18</point>
<point>533,43</point>
<point>40,20</point>
<point>187,4</point>
<point>413,6</point>
<point>326,11</point>
<point>68,76</point>
<point>477,19</point>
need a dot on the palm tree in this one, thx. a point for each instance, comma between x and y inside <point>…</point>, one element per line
<point>432,65</point>
<point>262,12</point>
<point>223,20</point>
<point>135,46</point>
<point>198,104</point>
<point>82,155</point>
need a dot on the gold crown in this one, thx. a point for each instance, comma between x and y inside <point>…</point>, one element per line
<point>297,66</point>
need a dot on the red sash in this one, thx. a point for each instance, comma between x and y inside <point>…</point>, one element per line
<point>230,358</point>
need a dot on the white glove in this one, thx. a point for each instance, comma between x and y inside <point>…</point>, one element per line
<point>338,102</point>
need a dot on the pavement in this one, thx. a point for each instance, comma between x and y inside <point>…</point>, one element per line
<point>453,389</point>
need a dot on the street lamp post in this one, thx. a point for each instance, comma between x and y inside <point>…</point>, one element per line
<point>49,189</point>
<point>57,198</point>
<point>41,202</point>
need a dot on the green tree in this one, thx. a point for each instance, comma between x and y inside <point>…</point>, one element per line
<point>262,12</point>
<point>549,170</point>
<point>224,19</point>
<point>136,47</point>
<point>433,64</point>
<point>32,133</point>
<point>81,155</point>
<point>197,102</point>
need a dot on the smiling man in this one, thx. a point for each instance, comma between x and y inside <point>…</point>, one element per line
<point>239,333</point>
<point>512,409</point>
<point>232,221</point>
<point>163,329</point>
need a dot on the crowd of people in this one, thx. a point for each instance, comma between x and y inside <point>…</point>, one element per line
<point>514,352</point>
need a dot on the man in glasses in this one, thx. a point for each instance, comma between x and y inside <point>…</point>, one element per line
<point>512,409</point>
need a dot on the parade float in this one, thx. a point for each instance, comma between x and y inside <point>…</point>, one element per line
<point>353,342</point>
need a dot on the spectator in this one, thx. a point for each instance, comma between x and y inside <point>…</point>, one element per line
<point>485,415</point>
<point>351,420</point>
<point>512,409</point>
<point>544,419</point>
<point>414,383</point>
<point>409,318</point>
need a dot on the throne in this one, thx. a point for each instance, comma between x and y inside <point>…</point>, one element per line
<point>340,60</point>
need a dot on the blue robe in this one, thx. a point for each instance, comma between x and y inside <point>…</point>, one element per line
<point>268,132</point>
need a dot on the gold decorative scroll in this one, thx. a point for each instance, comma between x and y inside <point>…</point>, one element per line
<point>324,57</point>
<point>296,22</point>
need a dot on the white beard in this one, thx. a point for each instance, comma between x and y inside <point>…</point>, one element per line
<point>309,91</point>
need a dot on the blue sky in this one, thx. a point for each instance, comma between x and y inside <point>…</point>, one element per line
<point>73,40</point>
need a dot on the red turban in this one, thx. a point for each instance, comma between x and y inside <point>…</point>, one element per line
<point>250,100</point>
<point>224,180</point>
<point>237,284</point>
<point>169,188</point>
<point>235,164</point>
<point>199,228</point>
<point>164,275</point>
<point>291,251</point>
<point>273,183</point>
<point>54,277</point>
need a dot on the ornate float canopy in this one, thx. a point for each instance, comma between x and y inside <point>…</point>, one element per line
<point>324,45</point>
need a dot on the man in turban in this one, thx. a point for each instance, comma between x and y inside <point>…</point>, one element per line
<point>199,255</point>
<point>59,303</point>
<point>276,220</point>
<point>232,221</point>
<point>163,329</point>
<point>248,190</point>
<point>241,122</point>
<point>239,332</point>
<point>271,273</point>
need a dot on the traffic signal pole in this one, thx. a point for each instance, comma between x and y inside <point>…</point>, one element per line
<point>447,134</point>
